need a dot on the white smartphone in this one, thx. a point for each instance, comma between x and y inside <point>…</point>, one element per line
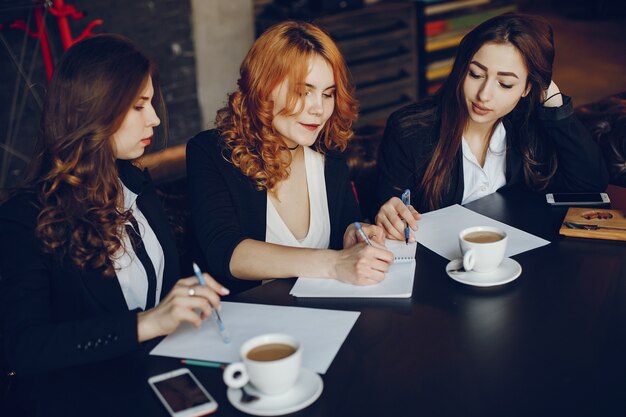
<point>182,394</point>
<point>577,199</point>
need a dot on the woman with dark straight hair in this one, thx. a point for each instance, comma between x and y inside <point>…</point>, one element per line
<point>89,267</point>
<point>269,188</point>
<point>499,119</point>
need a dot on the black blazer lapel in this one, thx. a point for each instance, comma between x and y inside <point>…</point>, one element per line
<point>105,291</point>
<point>152,209</point>
<point>253,206</point>
<point>332,171</point>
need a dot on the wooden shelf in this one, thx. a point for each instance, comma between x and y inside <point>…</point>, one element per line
<point>441,24</point>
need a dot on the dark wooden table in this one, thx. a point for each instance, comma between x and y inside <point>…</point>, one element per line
<point>551,343</point>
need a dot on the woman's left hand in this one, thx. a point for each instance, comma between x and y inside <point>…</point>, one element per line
<point>351,237</point>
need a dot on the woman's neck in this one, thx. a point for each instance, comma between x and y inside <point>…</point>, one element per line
<point>478,138</point>
<point>478,132</point>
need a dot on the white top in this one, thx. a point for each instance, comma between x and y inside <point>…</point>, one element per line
<point>318,235</point>
<point>481,181</point>
<point>128,268</point>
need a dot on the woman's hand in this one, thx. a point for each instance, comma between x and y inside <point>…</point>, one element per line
<point>393,217</point>
<point>552,96</point>
<point>352,236</point>
<point>182,304</point>
<point>362,264</point>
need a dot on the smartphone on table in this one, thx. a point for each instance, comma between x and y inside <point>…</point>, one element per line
<point>577,199</point>
<point>182,394</point>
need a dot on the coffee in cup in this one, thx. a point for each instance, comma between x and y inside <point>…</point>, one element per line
<point>483,248</point>
<point>271,363</point>
<point>271,352</point>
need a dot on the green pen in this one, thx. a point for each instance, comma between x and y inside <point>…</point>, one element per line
<point>206,364</point>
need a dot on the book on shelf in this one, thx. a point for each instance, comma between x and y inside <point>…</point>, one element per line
<point>446,40</point>
<point>437,27</point>
<point>439,69</point>
<point>433,88</point>
<point>437,8</point>
<point>594,223</point>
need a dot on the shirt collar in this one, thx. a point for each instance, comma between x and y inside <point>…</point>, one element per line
<point>132,177</point>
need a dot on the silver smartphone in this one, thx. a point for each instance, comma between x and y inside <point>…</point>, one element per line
<point>182,394</point>
<point>578,199</point>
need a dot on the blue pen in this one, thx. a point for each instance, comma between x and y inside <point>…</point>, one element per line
<point>406,200</point>
<point>218,319</point>
<point>359,229</point>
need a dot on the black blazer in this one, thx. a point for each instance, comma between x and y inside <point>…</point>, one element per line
<point>407,148</point>
<point>61,324</point>
<point>226,208</point>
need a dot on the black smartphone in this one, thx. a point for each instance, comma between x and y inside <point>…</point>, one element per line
<point>578,199</point>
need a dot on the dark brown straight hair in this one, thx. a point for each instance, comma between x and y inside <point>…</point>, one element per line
<point>74,171</point>
<point>533,38</point>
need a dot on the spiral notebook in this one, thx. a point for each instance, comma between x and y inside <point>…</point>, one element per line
<point>398,282</point>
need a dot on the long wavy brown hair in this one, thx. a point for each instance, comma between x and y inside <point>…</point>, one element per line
<point>281,53</point>
<point>74,170</point>
<point>533,38</point>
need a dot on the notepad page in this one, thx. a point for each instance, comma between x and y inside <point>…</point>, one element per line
<point>401,250</point>
<point>398,282</point>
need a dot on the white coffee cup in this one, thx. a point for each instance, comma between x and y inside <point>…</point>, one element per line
<point>483,248</point>
<point>271,363</point>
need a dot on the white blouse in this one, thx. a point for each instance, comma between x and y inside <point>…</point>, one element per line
<point>481,181</point>
<point>318,235</point>
<point>128,268</point>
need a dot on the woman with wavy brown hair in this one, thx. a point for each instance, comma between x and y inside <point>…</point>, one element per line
<point>89,268</point>
<point>269,187</point>
<point>498,120</point>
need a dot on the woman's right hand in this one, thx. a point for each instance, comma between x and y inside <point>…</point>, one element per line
<point>393,217</point>
<point>181,304</point>
<point>362,264</point>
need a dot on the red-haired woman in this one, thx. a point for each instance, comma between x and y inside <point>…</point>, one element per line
<point>89,267</point>
<point>499,119</point>
<point>269,187</point>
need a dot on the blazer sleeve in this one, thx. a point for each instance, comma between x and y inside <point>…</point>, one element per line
<point>344,208</point>
<point>395,162</point>
<point>581,166</point>
<point>214,214</point>
<point>404,151</point>
<point>39,333</point>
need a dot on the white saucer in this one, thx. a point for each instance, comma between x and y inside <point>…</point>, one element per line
<point>308,388</point>
<point>508,270</point>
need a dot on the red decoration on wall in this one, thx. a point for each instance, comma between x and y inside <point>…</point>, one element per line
<point>61,11</point>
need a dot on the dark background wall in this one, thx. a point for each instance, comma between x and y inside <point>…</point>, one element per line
<point>162,29</point>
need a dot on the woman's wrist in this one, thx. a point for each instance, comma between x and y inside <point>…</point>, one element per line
<point>145,329</point>
<point>327,259</point>
<point>553,100</point>
<point>552,96</point>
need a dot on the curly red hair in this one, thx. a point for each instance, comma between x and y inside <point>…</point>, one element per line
<point>283,52</point>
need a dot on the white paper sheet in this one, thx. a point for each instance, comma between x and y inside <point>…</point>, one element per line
<point>439,230</point>
<point>398,282</point>
<point>321,333</point>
